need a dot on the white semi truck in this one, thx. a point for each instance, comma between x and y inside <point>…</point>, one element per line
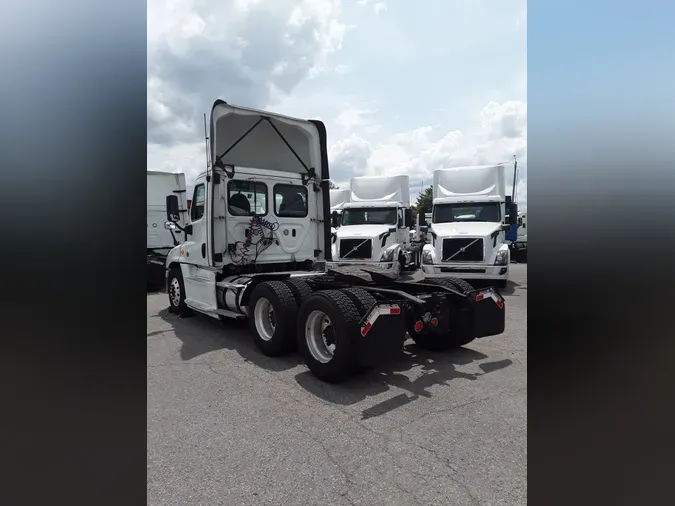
<point>375,224</point>
<point>257,247</point>
<point>160,240</point>
<point>468,225</point>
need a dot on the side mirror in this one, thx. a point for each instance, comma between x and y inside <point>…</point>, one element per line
<point>334,219</point>
<point>506,226</point>
<point>408,218</point>
<point>172,210</point>
<point>400,222</point>
<point>170,225</point>
<point>513,214</point>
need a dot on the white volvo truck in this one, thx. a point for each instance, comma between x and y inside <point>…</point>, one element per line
<point>160,240</point>
<point>375,224</point>
<point>468,225</point>
<point>258,243</point>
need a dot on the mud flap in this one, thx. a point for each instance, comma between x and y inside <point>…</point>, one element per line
<point>382,334</point>
<point>489,312</point>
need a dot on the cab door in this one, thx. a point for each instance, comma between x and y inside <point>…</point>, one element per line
<point>198,277</point>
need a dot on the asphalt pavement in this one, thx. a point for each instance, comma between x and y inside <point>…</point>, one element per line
<point>227,425</point>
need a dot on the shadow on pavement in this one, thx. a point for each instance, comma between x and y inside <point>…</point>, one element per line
<point>201,334</point>
<point>436,369</point>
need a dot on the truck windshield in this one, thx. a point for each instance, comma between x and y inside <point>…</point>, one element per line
<point>487,211</point>
<point>370,216</point>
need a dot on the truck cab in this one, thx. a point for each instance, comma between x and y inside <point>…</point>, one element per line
<point>255,211</point>
<point>374,226</point>
<point>468,225</point>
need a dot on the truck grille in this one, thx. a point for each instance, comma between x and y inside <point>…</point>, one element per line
<point>364,249</point>
<point>473,253</point>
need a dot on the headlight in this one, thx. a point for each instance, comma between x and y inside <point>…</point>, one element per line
<point>502,257</point>
<point>426,257</point>
<point>387,255</point>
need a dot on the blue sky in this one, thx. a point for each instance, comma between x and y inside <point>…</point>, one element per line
<point>403,87</point>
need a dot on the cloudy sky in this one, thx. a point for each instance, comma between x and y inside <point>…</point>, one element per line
<point>403,87</point>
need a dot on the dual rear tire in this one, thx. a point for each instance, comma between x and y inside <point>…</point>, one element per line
<point>323,325</point>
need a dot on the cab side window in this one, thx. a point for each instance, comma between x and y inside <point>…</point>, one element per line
<point>197,206</point>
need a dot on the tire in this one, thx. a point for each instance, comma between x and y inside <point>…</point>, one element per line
<point>300,288</point>
<point>176,292</point>
<point>273,318</point>
<point>361,299</point>
<point>453,283</point>
<point>453,338</point>
<point>338,364</point>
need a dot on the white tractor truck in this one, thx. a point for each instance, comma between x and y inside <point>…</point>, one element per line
<point>468,225</point>
<point>258,244</point>
<point>375,224</point>
<point>160,240</point>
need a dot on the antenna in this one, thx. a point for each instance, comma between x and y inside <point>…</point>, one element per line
<point>206,144</point>
<point>515,174</point>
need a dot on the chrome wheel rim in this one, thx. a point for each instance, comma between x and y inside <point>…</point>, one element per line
<point>265,319</point>
<point>174,292</point>
<point>320,336</point>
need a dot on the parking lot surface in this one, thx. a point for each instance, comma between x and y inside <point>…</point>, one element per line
<point>227,425</point>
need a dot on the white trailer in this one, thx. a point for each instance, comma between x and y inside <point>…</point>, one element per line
<point>160,240</point>
<point>375,225</point>
<point>257,247</point>
<point>468,225</point>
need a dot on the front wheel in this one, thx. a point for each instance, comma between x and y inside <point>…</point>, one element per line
<point>176,289</point>
<point>328,339</point>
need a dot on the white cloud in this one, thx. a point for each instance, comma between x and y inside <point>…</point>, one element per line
<point>341,69</point>
<point>354,117</point>
<point>240,50</point>
<point>377,6</point>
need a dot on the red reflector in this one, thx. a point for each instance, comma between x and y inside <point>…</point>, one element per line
<point>418,326</point>
<point>366,328</point>
<point>434,321</point>
<point>500,304</point>
<point>479,297</point>
<point>395,310</point>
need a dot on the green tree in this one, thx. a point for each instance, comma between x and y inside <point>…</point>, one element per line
<point>424,202</point>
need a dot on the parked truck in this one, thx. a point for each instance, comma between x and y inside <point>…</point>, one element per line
<point>375,225</point>
<point>160,240</point>
<point>468,225</point>
<point>258,247</point>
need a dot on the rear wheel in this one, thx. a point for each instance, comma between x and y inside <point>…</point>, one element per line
<point>457,335</point>
<point>273,318</point>
<point>328,338</point>
<point>300,288</point>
